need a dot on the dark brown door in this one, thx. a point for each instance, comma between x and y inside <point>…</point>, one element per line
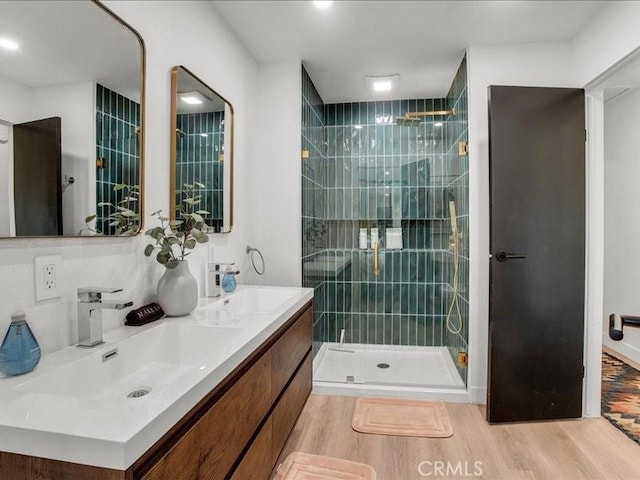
<point>37,156</point>
<point>536,312</point>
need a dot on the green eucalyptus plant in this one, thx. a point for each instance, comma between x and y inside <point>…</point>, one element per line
<point>125,216</point>
<point>173,238</point>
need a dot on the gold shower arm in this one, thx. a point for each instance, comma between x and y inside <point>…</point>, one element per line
<point>429,114</point>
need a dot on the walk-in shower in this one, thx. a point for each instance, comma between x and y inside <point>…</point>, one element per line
<point>385,242</point>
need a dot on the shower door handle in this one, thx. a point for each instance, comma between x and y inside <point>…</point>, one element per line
<point>502,256</point>
<point>376,261</point>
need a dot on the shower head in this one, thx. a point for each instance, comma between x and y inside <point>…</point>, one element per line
<point>407,121</point>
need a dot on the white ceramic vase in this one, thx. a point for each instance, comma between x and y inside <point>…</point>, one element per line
<point>178,290</point>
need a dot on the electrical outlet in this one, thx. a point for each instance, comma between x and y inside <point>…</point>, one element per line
<point>47,277</point>
<point>50,277</point>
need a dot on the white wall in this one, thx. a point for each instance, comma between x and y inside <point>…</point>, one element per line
<point>75,104</point>
<point>622,222</point>
<point>7,223</point>
<point>541,64</point>
<point>15,106</point>
<point>276,169</point>
<point>204,44</point>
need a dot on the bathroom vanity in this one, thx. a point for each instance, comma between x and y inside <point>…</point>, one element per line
<point>225,387</point>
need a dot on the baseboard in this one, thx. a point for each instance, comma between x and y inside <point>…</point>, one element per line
<point>623,348</point>
<point>478,395</point>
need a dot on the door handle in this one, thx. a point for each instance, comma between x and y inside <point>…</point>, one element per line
<point>504,256</point>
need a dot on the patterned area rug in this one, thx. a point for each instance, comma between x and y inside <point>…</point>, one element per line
<point>621,396</point>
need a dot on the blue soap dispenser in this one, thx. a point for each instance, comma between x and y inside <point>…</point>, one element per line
<point>20,352</point>
<point>229,281</point>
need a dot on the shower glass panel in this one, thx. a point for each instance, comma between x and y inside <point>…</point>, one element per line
<point>382,304</point>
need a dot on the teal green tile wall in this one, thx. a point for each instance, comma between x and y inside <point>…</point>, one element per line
<point>380,174</point>
<point>117,122</point>
<point>199,158</point>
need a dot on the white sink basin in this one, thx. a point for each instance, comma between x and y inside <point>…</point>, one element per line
<point>74,407</point>
<point>147,362</point>
<point>256,300</point>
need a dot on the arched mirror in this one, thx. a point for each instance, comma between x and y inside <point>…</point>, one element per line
<point>201,152</point>
<point>71,121</point>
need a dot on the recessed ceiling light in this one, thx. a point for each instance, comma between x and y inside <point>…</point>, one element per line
<point>384,83</point>
<point>382,86</point>
<point>357,127</point>
<point>322,4</point>
<point>437,124</point>
<point>7,44</point>
<point>203,134</point>
<point>191,100</point>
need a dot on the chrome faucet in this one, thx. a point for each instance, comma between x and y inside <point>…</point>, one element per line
<point>90,309</point>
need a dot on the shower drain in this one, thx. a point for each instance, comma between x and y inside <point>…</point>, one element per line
<point>140,392</point>
<point>383,365</point>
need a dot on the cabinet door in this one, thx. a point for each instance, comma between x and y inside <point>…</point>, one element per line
<point>211,447</point>
<point>257,463</point>
<point>289,351</point>
<point>290,405</point>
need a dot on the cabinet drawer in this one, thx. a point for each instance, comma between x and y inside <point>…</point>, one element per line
<point>289,350</point>
<point>288,409</point>
<point>257,463</point>
<point>211,446</point>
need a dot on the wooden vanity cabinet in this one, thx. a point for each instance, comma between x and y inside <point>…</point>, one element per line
<point>241,433</point>
<point>236,432</point>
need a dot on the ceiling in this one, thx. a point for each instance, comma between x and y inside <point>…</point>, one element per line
<point>423,41</point>
<point>64,42</point>
<point>188,83</point>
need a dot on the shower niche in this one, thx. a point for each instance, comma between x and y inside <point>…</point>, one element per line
<point>393,170</point>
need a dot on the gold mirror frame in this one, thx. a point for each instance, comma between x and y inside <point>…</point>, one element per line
<point>228,156</point>
<point>141,137</point>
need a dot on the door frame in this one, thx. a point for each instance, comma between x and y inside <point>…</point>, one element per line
<point>594,300</point>
<point>594,268</point>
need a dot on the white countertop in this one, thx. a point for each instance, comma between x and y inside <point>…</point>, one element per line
<point>114,432</point>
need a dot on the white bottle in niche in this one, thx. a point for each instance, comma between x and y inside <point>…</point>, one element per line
<point>393,239</point>
<point>363,239</point>
<point>374,237</point>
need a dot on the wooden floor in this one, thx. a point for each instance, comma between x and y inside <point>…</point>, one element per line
<point>571,449</point>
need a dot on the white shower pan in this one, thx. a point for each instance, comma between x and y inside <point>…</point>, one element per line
<point>387,370</point>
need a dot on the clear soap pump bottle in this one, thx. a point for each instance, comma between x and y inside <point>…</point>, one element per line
<point>20,352</point>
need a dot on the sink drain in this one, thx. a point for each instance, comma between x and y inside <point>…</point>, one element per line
<point>383,365</point>
<point>140,392</point>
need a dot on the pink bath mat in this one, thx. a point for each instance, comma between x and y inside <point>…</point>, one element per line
<point>403,418</point>
<point>304,466</point>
